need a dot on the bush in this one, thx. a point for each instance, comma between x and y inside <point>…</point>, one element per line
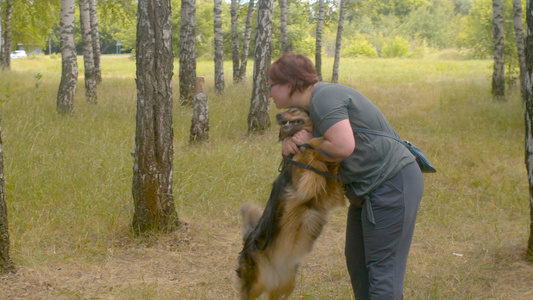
<point>360,47</point>
<point>398,47</point>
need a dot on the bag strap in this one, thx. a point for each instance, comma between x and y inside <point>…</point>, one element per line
<point>377,132</point>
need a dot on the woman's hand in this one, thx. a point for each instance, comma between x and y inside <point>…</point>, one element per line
<point>290,146</point>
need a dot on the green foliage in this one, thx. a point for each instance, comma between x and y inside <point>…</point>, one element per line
<point>396,47</point>
<point>477,29</point>
<point>359,47</point>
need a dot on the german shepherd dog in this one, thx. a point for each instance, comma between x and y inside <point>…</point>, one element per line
<point>301,199</point>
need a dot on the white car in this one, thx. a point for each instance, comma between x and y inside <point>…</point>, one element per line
<point>18,54</point>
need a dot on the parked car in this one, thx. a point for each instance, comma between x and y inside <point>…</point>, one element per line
<point>18,54</point>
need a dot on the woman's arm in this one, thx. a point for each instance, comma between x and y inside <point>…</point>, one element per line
<point>339,141</point>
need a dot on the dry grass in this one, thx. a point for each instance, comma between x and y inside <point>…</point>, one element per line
<point>68,183</point>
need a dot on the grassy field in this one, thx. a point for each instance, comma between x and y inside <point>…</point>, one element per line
<point>68,186</point>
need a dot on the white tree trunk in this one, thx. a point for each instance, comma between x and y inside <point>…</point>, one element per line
<point>96,41</point>
<point>235,40</point>
<point>283,26</point>
<point>246,41</point>
<point>529,117</point>
<point>318,45</point>
<point>187,65</point>
<point>498,76</point>
<point>88,58</point>
<point>219,48</point>
<point>519,35</point>
<point>153,157</point>
<point>258,117</point>
<point>69,63</point>
<point>340,28</point>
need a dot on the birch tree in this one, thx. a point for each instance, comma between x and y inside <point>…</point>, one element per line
<point>519,35</point>
<point>498,79</point>
<point>285,46</point>
<point>187,72</point>
<point>69,63</point>
<point>529,117</point>
<point>1,36</point>
<point>235,39</point>
<point>5,57</point>
<point>219,48</point>
<point>153,156</point>
<point>95,36</point>
<point>246,41</point>
<point>258,116</point>
<point>5,261</point>
<point>318,42</point>
<point>340,28</point>
<point>88,58</point>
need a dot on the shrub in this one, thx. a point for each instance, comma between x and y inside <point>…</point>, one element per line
<point>398,47</point>
<point>360,47</point>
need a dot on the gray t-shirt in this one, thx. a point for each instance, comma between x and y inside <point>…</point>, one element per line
<point>375,158</point>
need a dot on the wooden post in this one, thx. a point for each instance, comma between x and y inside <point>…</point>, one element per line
<point>200,118</point>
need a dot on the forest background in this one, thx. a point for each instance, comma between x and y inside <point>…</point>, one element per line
<point>68,179</point>
<point>373,28</point>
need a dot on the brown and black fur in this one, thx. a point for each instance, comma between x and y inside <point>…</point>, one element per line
<point>276,239</point>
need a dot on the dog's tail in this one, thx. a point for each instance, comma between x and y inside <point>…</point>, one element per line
<point>251,213</point>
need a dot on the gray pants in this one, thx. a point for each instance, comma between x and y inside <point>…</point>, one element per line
<point>379,234</point>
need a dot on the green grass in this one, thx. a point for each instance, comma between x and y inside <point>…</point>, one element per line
<point>68,186</point>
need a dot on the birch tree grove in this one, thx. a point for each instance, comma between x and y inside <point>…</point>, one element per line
<point>498,79</point>
<point>529,117</point>
<point>88,57</point>
<point>153,157</point>
<point>258,116</point>
<point>219,48</point>
<point>69,63</point>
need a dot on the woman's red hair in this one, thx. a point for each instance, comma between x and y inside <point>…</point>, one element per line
<point>294,68</point>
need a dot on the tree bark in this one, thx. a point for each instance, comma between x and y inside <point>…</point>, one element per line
<point>285,46</point>
<point>246,41</point>
<point>5,59</point>
<point>1,37</point>
<point>96,41</point>
<point>219,48</point>
<point>498,79</point>
<point>258,117</point>
<point>69,63</point>
<point>340,28</point>
<point>529,117</point>
<point>88,58</point>
<point>200,120</point>
<point>519,34</point>
<point>153,157</point>
<point>187,70</point>
<point>5,261</point>
<point>318,45</point>
<point>235,40</point>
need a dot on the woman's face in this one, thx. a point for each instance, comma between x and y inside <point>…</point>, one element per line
<point>280,94</point>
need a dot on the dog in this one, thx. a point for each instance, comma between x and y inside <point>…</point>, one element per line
<point>276,239</point>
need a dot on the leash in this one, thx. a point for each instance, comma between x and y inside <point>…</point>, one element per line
<point>288,159</point>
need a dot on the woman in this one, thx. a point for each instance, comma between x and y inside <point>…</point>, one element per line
<point>382,179</point>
